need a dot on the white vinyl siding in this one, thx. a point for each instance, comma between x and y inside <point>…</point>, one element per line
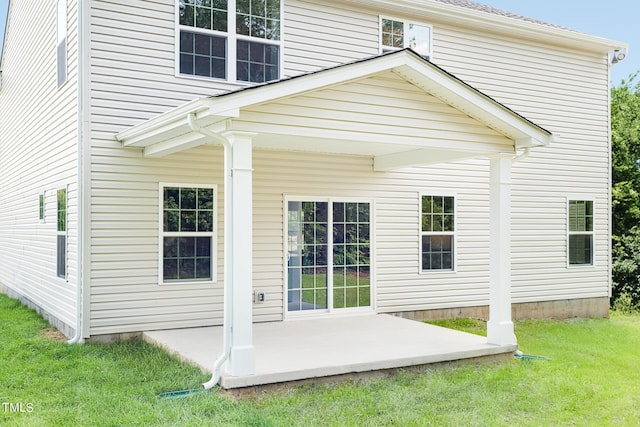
<point>124,260</point>
<point>329,113</point>
<point>125,243</point>
<point>133,79</point>
<point>39,156</point>
<point>133,65</point>
<point>396,209</point>
<point>570,99</point>
<point>319,35</point>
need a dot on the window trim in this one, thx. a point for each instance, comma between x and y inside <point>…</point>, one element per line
<point>231,40</point>
<point>405,22</point>
<point>42,206</point>
<point>61,43</point>
<point>213,234</point>
<point>65,233</point>
<point>592,233</point>
<point>330,310</point>
<point>454,233</point>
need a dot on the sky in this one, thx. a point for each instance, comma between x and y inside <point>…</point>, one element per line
<point>611,19</point>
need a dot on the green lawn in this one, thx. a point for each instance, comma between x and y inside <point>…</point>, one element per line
<point>592,378</point>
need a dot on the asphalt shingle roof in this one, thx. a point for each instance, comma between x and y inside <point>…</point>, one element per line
<point>484,8</point>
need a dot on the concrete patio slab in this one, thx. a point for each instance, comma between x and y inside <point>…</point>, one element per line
<point>312,348</point>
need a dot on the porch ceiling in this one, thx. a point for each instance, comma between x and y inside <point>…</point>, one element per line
<point>504,130</point>
<point>385,155</point>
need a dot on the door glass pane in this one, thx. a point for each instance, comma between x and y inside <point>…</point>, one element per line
<point>307,255</point>
<point>351,255</point>
<point>309,235</point>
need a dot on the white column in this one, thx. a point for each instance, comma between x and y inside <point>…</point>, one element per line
<point>242,354</point>
<point>500,326</point>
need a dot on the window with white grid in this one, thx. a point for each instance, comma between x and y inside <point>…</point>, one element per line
<point>437,232</point>
<point>580,221</point>
<point>235,40</point>
<point>400,34</point>
<point>187,234</point>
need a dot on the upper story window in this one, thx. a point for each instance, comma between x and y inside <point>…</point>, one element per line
<point>61,47</point>
<point>580,232</point>
<point>399,34</point>
<point>215,42</point>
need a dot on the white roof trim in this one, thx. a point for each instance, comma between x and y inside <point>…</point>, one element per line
<point>435,11</point>
<point>216,111</point>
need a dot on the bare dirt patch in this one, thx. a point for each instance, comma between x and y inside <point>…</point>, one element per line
<point>53,334</point>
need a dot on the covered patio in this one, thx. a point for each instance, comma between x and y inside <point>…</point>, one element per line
<point>327,347</point>
<point>346,110</point>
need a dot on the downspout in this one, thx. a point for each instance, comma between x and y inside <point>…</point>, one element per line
<point>81,187</point>
<point>227,332</point>
<point>611,63</point>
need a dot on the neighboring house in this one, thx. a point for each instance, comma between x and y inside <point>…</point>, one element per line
<point>469,172</point>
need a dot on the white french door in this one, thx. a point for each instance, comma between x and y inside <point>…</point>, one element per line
<point>328,255</point>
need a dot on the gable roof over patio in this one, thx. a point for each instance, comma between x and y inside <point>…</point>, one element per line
<point>171,132</point>
<point>350,109</point>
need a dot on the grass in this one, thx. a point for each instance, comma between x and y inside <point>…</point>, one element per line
<point>472,326</point>
<point>591,379</point>
<point>349,290</point>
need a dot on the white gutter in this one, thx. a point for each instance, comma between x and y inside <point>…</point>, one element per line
<point>227,332</point>
<point>82,175</point>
